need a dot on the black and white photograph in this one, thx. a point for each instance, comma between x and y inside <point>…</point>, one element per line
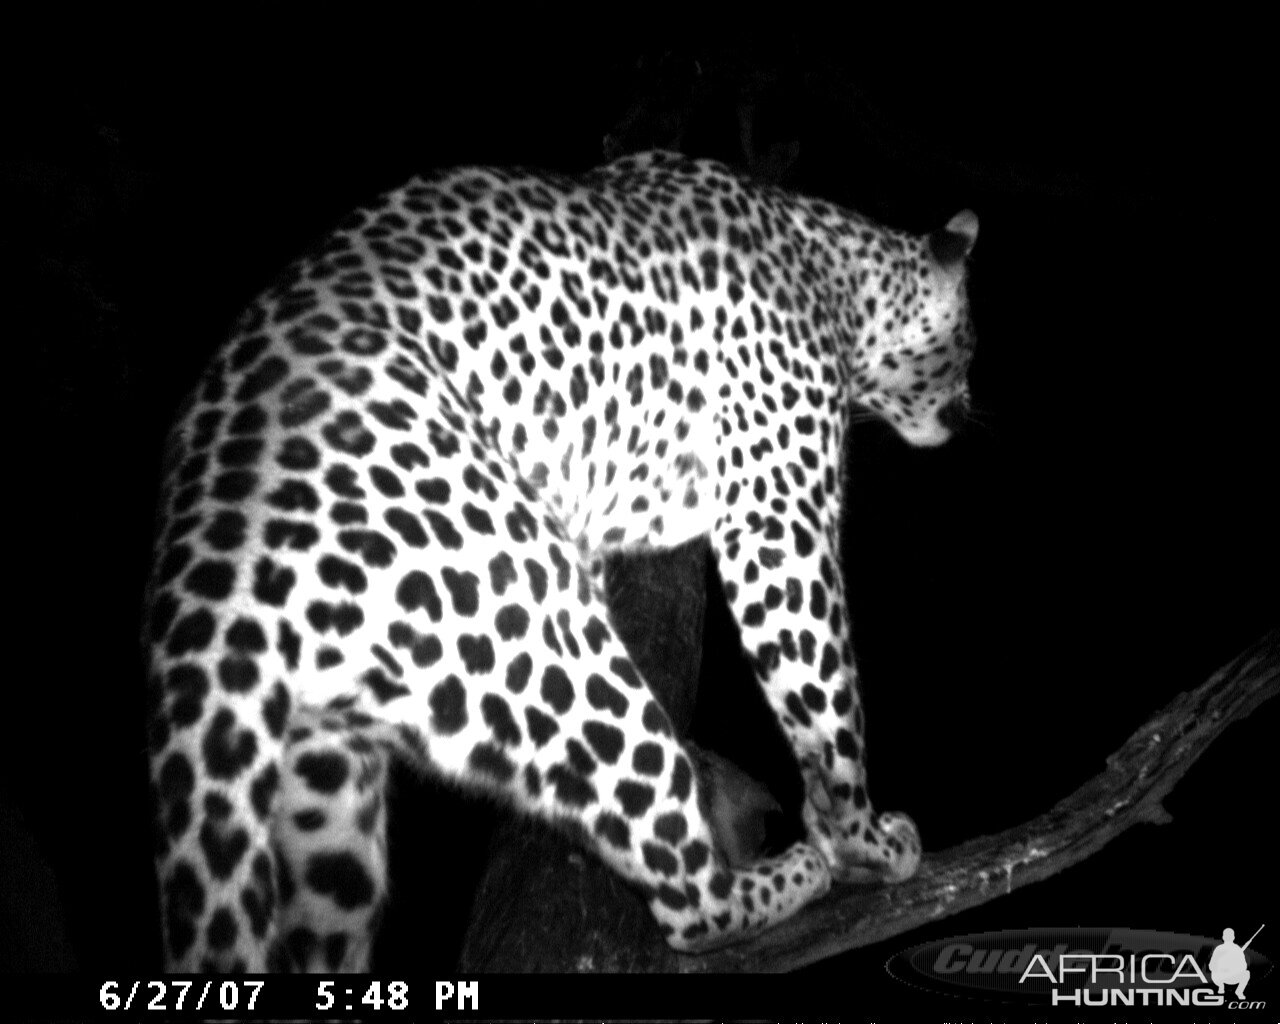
<point>504,512</point>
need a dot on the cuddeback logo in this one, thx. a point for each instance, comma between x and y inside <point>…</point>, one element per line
<point>1089,967</point>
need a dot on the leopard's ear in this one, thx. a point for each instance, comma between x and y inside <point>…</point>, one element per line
<point>951,244</point>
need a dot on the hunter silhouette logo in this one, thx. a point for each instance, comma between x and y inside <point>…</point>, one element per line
<point>1227,965</point>
<point>1079,967</point>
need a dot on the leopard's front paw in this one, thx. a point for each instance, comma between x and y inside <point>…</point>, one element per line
<point>901,839</point>
<point>859,845</point>
<point>734,903</point>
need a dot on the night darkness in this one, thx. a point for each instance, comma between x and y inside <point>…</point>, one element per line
<point>1022,599</point>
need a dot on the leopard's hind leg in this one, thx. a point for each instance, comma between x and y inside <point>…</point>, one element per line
<point>330,836</point>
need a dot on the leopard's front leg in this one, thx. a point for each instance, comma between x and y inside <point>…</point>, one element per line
<point>784,587</point>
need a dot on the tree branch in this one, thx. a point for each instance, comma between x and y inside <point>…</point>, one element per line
<point>1130,791</point>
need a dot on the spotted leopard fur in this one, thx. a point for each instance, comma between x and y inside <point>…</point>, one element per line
<point>386,504</point>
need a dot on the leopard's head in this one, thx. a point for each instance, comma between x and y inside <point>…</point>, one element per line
<point>912,366</point>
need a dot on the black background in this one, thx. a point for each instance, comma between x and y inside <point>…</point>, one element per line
<point>1023,599</point>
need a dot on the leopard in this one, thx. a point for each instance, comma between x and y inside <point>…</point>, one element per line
<point>385,506</point>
